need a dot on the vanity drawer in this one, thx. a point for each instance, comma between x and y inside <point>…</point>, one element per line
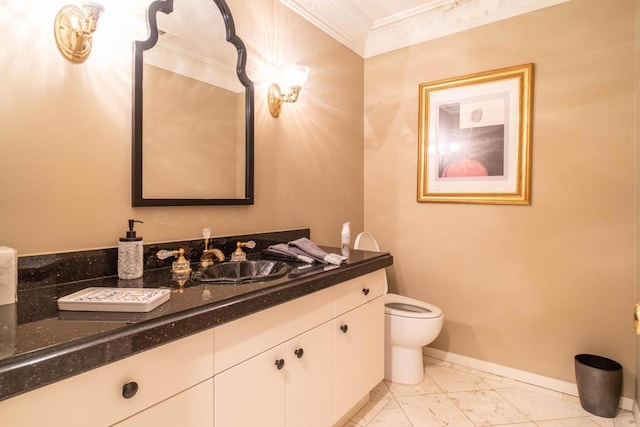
<point>358,291</point>
<point>96,397</point>
<point>242,339</point>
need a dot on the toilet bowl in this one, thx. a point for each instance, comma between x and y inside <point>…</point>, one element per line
<point>410,324</point>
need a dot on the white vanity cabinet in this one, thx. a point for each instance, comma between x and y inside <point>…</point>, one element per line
<point>256,361</point>
<point>359,354</point>
<point>305,362</point>
<point>97,397</point>
<point>358,340</point>
<point>340,331</point>
<point>251,393</point>
<point>288,385</point>
<point>309,378</point>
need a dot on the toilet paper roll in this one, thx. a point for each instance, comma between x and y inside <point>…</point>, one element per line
<point>8,275</point>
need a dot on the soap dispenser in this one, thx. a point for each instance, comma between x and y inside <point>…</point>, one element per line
<point>130,251</point>
<point>345,238</point>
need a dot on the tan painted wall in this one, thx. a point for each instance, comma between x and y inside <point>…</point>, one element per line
<point>637,127</point>
<point>525,287</point>
<point>65,134</point>
<point>200,146</point>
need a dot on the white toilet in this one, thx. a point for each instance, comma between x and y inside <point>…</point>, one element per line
<point>410,324</point>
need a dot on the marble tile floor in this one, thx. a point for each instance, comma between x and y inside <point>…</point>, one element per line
<point>456,396</point>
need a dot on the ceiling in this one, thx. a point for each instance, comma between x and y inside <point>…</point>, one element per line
<point>373,27</point>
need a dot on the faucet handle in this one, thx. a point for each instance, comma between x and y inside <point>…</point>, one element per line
<point>180,265</point>
<point>239,254</point>
<point>206,235</point>
<point>164,254</point>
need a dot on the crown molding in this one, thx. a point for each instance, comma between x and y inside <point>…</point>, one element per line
<point>338,18</point>
<point>449,18</point>
<point>435,18</point>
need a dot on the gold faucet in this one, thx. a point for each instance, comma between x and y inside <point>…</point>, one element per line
<point>207,255</point>
<point>181,265</point>
<point>239,254</point>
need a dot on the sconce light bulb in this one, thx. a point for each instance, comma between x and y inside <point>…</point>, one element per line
<point>92,12</point>
<point>295,75</point>
<point>293,78</point>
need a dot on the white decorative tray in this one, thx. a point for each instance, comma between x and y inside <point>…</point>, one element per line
<point>135,300</point>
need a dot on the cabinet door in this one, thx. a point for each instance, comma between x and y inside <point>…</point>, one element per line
<point>252,393</point>
<point>359,354</point>
<point>309,377</point>
<point>191,408</point>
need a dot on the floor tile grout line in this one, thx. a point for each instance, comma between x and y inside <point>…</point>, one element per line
<point>402,409</point>
<point>529,419</point>
<point>453,402</point>
<point>395,399</point>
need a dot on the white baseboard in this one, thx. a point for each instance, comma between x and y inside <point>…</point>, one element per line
<point>636,412</point>
<point>626,403</point>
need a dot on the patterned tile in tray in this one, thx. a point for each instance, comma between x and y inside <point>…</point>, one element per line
<point>114,299</point>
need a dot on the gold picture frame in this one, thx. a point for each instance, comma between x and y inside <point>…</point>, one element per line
<point>475,138</point>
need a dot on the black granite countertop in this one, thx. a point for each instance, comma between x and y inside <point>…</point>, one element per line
<point>40,345</point>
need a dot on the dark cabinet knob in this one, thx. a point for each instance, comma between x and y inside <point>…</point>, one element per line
<point>129,390</point>
<point>280,363</point>
<point>299,352</point>
<point>365,291</point>
<point>344,328</point>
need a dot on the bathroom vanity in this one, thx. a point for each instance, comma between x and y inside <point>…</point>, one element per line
<point>305,349</point>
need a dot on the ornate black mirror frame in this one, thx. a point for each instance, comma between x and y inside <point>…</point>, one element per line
<point>166,6</point>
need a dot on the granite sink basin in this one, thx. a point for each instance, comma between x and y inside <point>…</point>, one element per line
<point>241,272</point>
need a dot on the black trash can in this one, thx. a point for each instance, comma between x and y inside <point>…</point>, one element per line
<point>599,383</point>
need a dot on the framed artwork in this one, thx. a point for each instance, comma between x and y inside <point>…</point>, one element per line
<point>475,138</point>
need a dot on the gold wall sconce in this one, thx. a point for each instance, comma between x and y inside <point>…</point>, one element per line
<point>74,27</point>
<point>293,77</point>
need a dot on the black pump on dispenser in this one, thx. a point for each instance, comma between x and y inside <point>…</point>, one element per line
<point>131,234</point>
<point>130,254</point>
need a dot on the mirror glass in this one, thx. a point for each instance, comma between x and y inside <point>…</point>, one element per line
<point>193,108</point>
